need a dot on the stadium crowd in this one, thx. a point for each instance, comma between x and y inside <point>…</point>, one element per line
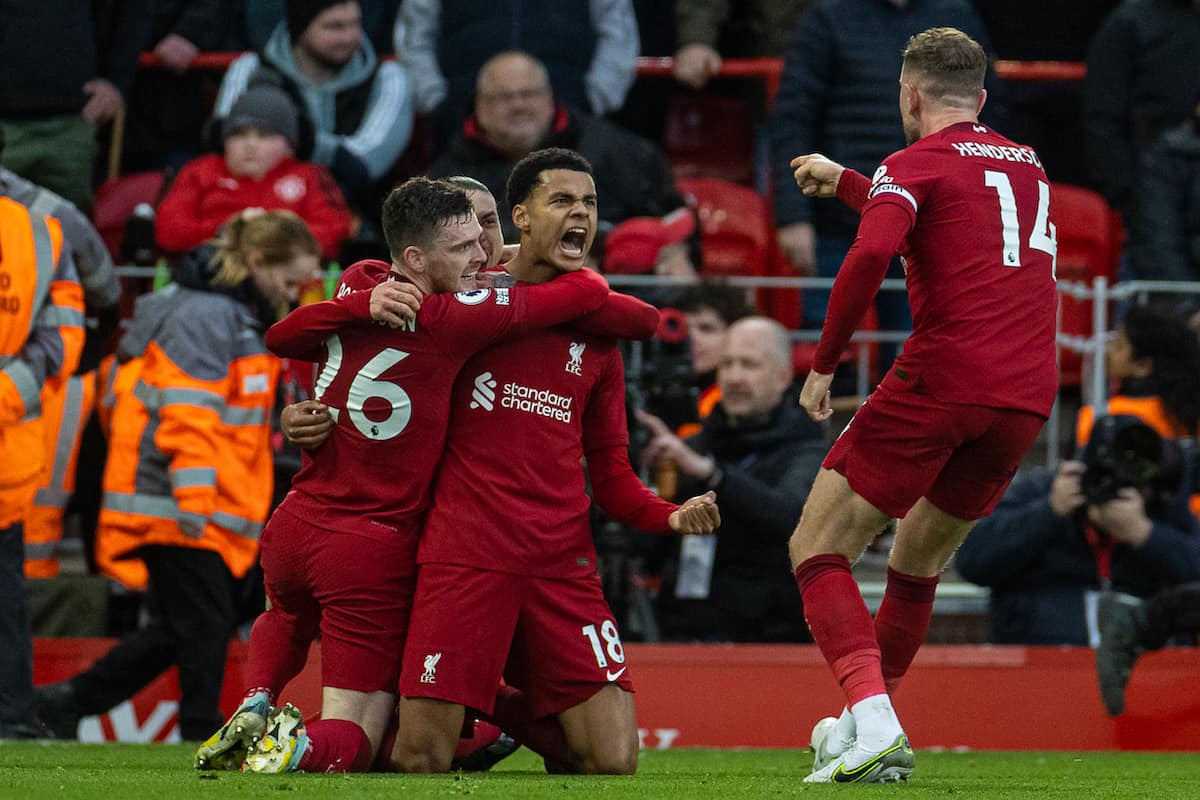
<point>177,437</point>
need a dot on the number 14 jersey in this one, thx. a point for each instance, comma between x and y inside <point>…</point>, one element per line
<point>979,264</point>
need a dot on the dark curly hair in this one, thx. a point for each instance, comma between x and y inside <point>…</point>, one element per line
<point>527,174</point>
<point>729,302</point>
<point>1165,338</point>
<point>417,208</point>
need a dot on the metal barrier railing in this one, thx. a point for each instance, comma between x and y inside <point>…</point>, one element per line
<point>1091,347</point>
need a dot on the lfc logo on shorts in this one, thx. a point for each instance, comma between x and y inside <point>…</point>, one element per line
<point>430,673</point>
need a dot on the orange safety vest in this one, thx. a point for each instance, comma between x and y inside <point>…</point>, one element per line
<point>186,447</point>
<point>1149,410</point>
<point>32,294</point>
<point>704,407</point>
<point>66,408</point>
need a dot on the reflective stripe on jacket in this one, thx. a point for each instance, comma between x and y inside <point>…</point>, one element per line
<point>66,407</point>
<point>111,546</point>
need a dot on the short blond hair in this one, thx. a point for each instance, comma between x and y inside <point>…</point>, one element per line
<point>947,64</point>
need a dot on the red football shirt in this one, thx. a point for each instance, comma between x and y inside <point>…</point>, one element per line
<point>389,389</point>
<point>974,214</point>
<point>511,492</point>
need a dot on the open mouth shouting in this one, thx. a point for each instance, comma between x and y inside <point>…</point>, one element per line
<point>573,243</point>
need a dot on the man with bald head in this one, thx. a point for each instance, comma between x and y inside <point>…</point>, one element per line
<point>517,112</point>
<point>761,453</point>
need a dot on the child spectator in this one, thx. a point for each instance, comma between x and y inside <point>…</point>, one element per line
<point>259,169</point>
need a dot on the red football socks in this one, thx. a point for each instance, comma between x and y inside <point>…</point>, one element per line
<point>841,625</point>
<point>277,652</point>
<point>336,745</point>
<point>902,622</point>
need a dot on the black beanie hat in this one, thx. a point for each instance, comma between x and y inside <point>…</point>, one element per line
<point>301,13</point>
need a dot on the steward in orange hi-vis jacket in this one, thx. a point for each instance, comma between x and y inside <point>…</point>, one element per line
<point>41,335</point>
<point>188,481</point>
<point>189,459</point>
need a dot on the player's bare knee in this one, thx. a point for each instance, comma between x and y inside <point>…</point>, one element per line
<point>418,762</point>
<point>615,758</point>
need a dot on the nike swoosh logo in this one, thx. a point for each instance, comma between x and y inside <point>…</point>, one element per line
<point>612,676</point>
<point>843,775</point>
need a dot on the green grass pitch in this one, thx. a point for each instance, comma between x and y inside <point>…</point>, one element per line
<point>132,772</point>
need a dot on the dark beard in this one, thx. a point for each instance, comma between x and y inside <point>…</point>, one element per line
<point>327,63</point>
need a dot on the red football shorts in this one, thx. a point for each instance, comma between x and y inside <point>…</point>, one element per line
<point>359,589</point>
<point>553,639</point>
<point>903,445</point>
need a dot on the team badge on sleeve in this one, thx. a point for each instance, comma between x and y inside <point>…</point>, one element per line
<point>473,297</point>
<point>882,183</point>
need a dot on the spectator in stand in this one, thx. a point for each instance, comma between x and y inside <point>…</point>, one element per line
<point>66,67</point>
<point>709,308</point>
<point>589,49</point>
<point>1052,545</point>
<point>188,480</point>
<point>168,106</point>
<point>708,30</point>
<point>837,96</point>
<point>1165,232</point>
<point>1141,80</point>
<point>760,452</point>
<point>1130,626</point>
<point>378,21</point>
<point>1154,360</point>
<point>516,113</point>
<point>1045,114</point>
<point>658,246</point>
<point>360,108</point>
<point>258,170</point>
<point>1035,551</point>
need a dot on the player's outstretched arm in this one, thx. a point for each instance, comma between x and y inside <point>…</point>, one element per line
<point>302,333</point>
<point>563,299</point>
<point>621,317</point>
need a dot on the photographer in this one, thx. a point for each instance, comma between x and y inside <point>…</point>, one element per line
<point>1117,518</point>
<point>761,451</point>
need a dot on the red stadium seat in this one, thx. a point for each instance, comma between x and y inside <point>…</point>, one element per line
<point>115,201</point>
<point>737,237</point>
<point>711,136</point>
<point>735,227</point>
<point>1089,245</point>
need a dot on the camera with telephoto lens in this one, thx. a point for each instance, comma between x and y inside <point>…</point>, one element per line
<point>1123,452</point>
<point>660,378</point>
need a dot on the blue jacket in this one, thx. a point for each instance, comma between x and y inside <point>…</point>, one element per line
<point>1039,565</point>
<point>838,94</point>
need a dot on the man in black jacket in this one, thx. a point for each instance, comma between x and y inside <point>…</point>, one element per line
<point>837,96</point>
<point>761,452</point>
<point>1165,231</point>
<point>66,67</point>
<point>1141,72</point>
<point>1053,545</point>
